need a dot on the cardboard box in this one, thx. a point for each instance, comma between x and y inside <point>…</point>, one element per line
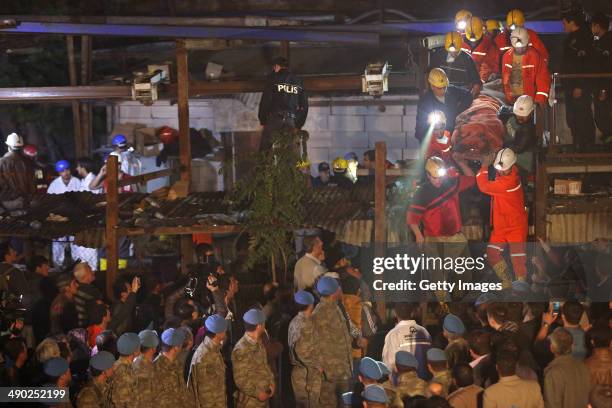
<point>567,187</point>
<point>152,150</point>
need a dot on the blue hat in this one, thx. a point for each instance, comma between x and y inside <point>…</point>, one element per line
<point>375,393</point>
<point>62,165</point>
<point>103,360</point>
<point>304,298</point>
<point>55,367</point>
<point>521,286</point>
<point>148,338</point>
<point>406,359</point>
<point>327,286</point>
<point>453,324</point>
<point>487,297</point>
<point>369,368</point>
<point>173,337</point>
<point>435,354</point>
<point>347,398</point>
<point>383,368</point>
<point>119,140</point>
<point>128,343</point>
<point>216,324</point>
<point>254,317</point>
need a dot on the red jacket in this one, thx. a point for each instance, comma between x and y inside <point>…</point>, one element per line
<point>440,145</point>
<point>502,41</point>
<point>536,78</point>
<point>508,202</point>
<point>485,56</point>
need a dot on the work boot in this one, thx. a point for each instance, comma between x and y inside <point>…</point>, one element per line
<point>501,270</point>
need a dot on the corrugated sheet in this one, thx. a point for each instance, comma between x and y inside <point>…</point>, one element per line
<point>575,228</point>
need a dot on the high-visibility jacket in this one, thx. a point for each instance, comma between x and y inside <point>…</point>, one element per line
<point>440,145</point>
<point>485,55</point>
<point>502,41</point>
<point>536,78</point>
<point>508,200</point>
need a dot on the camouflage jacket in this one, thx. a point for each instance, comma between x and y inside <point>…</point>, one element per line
<point>409,385</point>
<point>334,340</point>
<point>145,381</point>
<point>443,378</point>
<point>250,367</point>
<point>303,347</point>
<point>207,376</point>
<point>170,385</point>
<point>94,395</point>
<point>123,391</point>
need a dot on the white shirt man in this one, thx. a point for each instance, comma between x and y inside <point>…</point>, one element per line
<point>61,186</point>
<point>309,267</point>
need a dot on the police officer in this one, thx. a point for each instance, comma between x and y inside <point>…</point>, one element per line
<point>408,384</point>
<point>603,49</point>
<point>252,374</point>
<point>95,394</point>
<point>172,391</point>
<point>143,368</point>
<point>577,59</point>
<point>284,104</point>
<point>207,370</point>
<point>123,381</point>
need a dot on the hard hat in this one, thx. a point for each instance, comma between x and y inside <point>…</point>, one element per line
<point>474,29</point>
<point>437,77</point>
<point>504,159</point>
<point>514,19</point>
<point>523,106</point>
<point>435,167</point>
<point>62,165</point>
<point>437,118</point>
<point>340,164</point>
<point>119,140</point>
<point>452,41</point>
<point>493,25</point>
<point>519,37</point>
<point>30,150</point>
<point>461,19</point>
<point>303,164</point>
<point>14,140</point>
<point>167,135</point>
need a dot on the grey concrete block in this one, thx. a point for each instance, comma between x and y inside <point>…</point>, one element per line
<point>347,123</point>
<point>384,123</point>
<point>349,140</point>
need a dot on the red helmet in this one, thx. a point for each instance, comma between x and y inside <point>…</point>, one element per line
<point>30,150</point>
<point>167,135</point>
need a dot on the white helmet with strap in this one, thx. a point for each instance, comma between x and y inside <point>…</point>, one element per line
<point>504,159</point>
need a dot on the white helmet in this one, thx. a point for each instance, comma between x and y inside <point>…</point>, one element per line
<point>523,106</point>
<point>14,140</point>
<point>116,154</point>
<point>519,37</point>
<point>504,159</point>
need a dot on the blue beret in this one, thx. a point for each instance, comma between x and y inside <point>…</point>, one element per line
<point>369,368</point>
<point>128,343</point>
<point>435,354</point>
<point>347,398</point>
<point>173,337</point>
<point>56,367</point>
<point>304,298</point>
<point>406,359</point>
<point>375,393</point>
<point>103,360</point>
<point>254,317</point>
<point>148,338</point>
<point>520,286</point>
<point>487,297</point>
<point>216,324</point>
<point>327,286</point>
<point>383,368</point>
<point>453,324</point>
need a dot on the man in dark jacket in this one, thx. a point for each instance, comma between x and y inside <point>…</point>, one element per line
<point>87,294</point>
<point>458,64</point>
<point>122,315</point>
<point>16,176</point>
<point>603,63</point>
<point>284,104</point>
<point>520,130</point>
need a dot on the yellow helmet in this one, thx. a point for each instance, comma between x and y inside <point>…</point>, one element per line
<point>303,164</point>
<point>461,19</point>
<point>493,25</point>
<point>453,41</point>
<point>435,167</point>
<point>437,78</point>
<point>340,164</point>
<point>474,29</point>
<point>515,18</point>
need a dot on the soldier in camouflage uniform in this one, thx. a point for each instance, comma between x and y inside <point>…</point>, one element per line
<point>306,372</point>
<point>408,384</point>
<point>441,380</point>
<point>172,392</point>
<point>207,371</point>
<point>252,375</point>
<point>334,343</point>
<point>123,382</point>
<point>95,394</point>
<point>144,370</point>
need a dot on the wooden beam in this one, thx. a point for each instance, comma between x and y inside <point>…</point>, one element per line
<point>86,116</point>
<point>180,230</point>
<point>143,178</point>
<point>186,253</point>
<point>380,218</point>
<point>182,69</point>
<point>76,109</point>
<point>112,220</point>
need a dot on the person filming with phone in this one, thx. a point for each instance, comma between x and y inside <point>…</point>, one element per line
<point>571,313</point>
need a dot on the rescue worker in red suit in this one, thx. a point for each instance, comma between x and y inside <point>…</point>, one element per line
<point>440,142</point>
<point>514,20</point>
<point>484,53</point>
<point>508,215</point>
<point>436,207</point>
<point>524,71</point>
<point>16,176</point>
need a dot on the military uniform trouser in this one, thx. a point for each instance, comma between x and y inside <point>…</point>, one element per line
<point>579,118</point>
<point>306,385</point>
<point>275,123</point>
<point>246,401</point>
<point>331,392</point>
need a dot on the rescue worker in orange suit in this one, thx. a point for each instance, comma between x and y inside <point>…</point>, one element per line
<point>457,64</point>
<point>482,50</point>
<point>494,28</point>
<point>436,207</point>
<point>508,215</point>
<point>524,71</point>
<point>514,20</point>
<point>440,143</point>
